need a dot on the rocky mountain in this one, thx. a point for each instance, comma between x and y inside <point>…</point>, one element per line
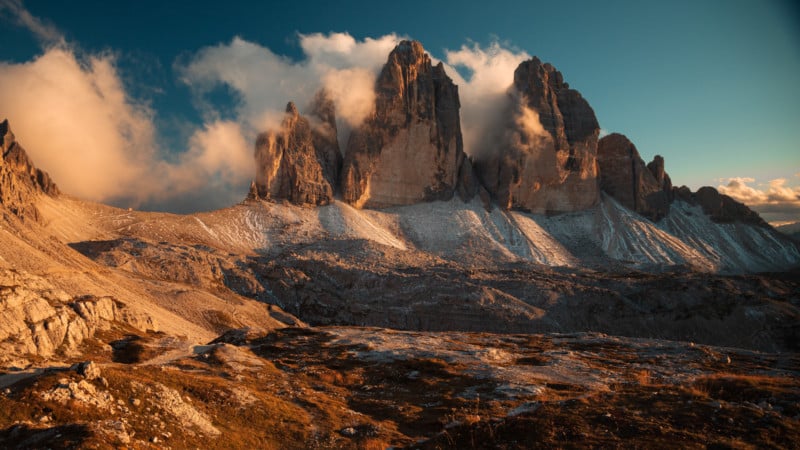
<point>544,156</point>
<point>722,208</point>
<point>410,150</point>
<point>623,175</point>
<point>405,316</point>
<point>300,162</point>
<point>20,180</point>
<point>790,229</point>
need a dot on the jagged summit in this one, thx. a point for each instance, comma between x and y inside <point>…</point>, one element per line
<point>20,180</point>
<point>646,189</point>
<point>299,162</point>
<point>543,158</point>
<point>411,149</point>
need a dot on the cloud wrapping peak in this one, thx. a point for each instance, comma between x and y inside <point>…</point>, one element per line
<point>484,95</point>
<point>75,117</point>
<point>265,81</point>
<point>76,122</point>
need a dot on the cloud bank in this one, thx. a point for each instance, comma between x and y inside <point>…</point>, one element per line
<point>71,110</point>
<point>72,113</point>
<point>484,94</point>
<point>775,200</point>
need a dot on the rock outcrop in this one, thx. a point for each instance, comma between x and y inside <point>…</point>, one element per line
<point>722,208</point>
<point>38,319</point>
<point>646,189</point>
<point>325,137</point>
<point>20,180</point>
<point>543,158</point>
<point>410,150</point>
<point>300,162</point>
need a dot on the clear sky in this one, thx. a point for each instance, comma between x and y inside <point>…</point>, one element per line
<point>713,86</point>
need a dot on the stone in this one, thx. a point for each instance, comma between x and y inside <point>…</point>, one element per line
<point>290,166</point>
<point>88,369</point>
<point>646,189</point>
<point>411,149</point>
<point>542,156</point>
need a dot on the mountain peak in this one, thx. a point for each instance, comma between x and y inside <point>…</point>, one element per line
<point>543,158</point>
<point>411,150</point>
<point>20,180</point>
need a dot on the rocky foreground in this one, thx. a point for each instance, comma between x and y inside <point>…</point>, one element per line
<point>376,388</point>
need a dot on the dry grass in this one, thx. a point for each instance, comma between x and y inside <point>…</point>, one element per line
<point>312,393</point>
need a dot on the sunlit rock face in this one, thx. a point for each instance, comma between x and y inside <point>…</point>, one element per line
<point>300,162</point>
<point>410,150</point>
<point>646,189</point>
<point>20,180</point>
<point>543,157</point>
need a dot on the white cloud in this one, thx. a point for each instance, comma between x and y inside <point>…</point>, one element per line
<point>46,33</point>
<point>76,121</point>
<point>74,117</point>
<point>484,95</point>
<point>265,81</point>
<point>775,200</point>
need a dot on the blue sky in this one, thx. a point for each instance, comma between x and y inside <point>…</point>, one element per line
<point>713,86</point>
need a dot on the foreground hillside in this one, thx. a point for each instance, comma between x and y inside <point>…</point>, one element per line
<point>455,266</point>
<point>376,388</point>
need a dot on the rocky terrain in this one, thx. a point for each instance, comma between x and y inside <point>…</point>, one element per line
<point>553,291</point>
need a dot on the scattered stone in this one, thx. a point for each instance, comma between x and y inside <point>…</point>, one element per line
<point>525,408</point>
<point>348,432</point>
<point>87,369</point>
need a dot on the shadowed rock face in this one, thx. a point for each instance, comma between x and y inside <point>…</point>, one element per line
<point>411,149</point>
<point>299,163</point>
<point>20,180</point>
<point>325,137</point>
<point>546,157</point>
<point>623,175</point>
<point>724,209</point>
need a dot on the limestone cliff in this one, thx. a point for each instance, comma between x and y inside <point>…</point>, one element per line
<point>646,189</point>
<point>410,150</point>
<point>38,319</point>
<point>20,180</point>
<point>543,158</point>
<point>300,162</point>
